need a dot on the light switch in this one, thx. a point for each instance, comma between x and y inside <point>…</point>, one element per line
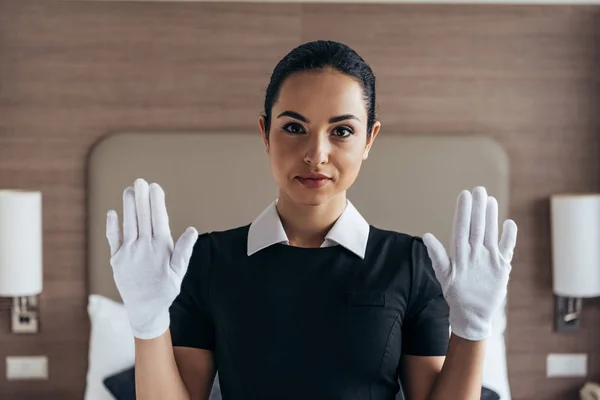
<point>26,367</point>
<point>566,365</point>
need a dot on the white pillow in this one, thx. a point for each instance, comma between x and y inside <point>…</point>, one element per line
<point>112,348</point>
<point>495,374</point>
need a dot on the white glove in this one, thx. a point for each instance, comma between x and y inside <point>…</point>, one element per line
<point>147,268</point>
<point>474,278</point>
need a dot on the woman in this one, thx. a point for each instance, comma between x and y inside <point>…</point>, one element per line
<point>309,300</point>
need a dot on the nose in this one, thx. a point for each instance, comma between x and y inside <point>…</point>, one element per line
<point>317,149</point>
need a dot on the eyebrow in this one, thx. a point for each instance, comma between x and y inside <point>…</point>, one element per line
<point>302,118</point>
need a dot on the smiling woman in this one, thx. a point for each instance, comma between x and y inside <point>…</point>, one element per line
<point>310,300</point>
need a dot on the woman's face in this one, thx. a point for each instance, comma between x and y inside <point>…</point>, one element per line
<point>318,136</point>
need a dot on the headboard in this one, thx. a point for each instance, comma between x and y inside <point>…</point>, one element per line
<point>216,181</point>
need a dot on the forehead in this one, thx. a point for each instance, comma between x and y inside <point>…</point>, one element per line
<point>322,94</point>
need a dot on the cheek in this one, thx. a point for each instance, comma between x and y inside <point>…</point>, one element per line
<point>350,159</point>
<point>348,165</point>
<point>282,157</point>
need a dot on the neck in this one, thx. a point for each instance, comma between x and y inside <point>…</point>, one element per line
<point>307,226</point>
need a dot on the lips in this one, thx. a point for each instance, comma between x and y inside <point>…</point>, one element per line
<point>313,181</point>
<point>313,176</point>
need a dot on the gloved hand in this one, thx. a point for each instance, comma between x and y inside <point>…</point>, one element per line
<point>147,268</point>
<point>474,276</point>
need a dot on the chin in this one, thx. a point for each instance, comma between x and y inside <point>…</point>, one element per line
<point>312,202</point>
<point>311,197</point>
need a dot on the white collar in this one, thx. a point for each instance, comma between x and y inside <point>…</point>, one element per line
<point>350,230</point>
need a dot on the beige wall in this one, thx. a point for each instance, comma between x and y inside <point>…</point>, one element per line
<point>71,72</point>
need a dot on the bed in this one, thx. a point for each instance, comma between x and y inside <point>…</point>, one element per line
<point>219,180</point>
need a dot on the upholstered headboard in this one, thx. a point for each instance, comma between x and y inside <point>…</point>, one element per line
<point>216,181</point>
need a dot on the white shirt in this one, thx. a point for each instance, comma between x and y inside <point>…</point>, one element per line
<point>350,230</point>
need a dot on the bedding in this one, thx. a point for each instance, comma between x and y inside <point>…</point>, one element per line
<point>111,371</point>
<point>111,346</point>
<point>111,352</point>
<point>122,386</point>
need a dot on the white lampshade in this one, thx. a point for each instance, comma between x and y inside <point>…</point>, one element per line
<point>576,245</point>
<point>20,243</point>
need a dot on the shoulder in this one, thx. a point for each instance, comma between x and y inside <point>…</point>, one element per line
<point>225,238</point>
<point>237,233</point>
<point>400,246</point>
<point>230,241</point>
<point>216,246</point>
<point>380,237</point>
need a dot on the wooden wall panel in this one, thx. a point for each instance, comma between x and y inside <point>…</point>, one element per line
<point>71,72</point>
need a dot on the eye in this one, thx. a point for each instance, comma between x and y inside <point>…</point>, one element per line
<point>343,131</point>
<point>293,128</point>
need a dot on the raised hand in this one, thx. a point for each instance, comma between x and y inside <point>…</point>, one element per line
<point>147,268</point>
<point>474,275</point>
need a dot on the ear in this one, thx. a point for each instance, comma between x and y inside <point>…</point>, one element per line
<point>376,128</point>
<point>263,132</point>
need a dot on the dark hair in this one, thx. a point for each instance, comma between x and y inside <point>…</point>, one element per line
<point>319,55</point>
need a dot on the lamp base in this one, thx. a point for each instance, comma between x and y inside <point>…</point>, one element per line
<point>567,314</point>
<point>24,315</point>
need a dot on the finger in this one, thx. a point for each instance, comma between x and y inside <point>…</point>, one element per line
<point>491,222</point>
<point>478,211</point>
<point>508,240</point>
<point>130,231</point>
<point>182,252</point>
<point>158,211</point>
<point>462,221</point>
<point>142,206</point>
<point>113,233</point>
<point>438,255</point>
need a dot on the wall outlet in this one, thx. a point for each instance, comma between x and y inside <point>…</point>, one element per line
<point>26,367</point>
<point>566,365</point>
